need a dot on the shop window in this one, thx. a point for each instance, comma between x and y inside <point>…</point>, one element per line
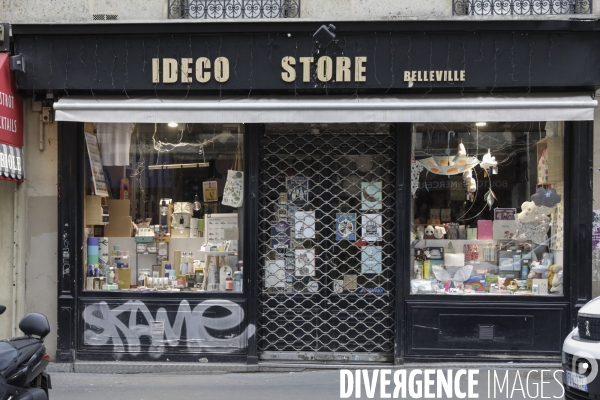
<point>488,208</point>
<point>163,207</point>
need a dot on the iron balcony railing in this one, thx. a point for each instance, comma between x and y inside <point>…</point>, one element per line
<point>521,7</point>
<point>233,9</point>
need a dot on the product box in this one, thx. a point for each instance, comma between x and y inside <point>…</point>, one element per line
<point>93,210</point>
<point>118,227</point>
<point>542,285</point>
<point>119,208</point>
<point>506,214</point>
<point>489,281</point>
<point>471,233</point>
<point>484,230</point>
<point>350,281</point>
<point>124,281</point>
<point>504,229</point>
<point>477,283</point>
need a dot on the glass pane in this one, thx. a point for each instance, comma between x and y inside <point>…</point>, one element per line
<point>488,208</point>
<point>163,207</point>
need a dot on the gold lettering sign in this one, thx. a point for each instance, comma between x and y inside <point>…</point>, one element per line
<point>326,69</point>
<point>434,76</point>
<point>170,70</point>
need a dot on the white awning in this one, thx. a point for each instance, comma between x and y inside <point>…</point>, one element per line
<point>330,109</point>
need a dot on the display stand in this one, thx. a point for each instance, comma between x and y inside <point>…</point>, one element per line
<point>219,257</point>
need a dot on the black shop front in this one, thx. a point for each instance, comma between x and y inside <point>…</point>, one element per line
<point>243,193</point>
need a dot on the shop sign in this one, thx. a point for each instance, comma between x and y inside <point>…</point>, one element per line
<point>324,69</point>
<point>11,107</point>
<point>11,162</point>
<point>357,63</point>
<point>11,124</point>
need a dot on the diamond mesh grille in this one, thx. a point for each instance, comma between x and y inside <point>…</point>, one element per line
<point>322,191</point>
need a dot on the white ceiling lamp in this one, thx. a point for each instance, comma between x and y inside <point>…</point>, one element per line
<point>480,123</point>
<point>173,124</point>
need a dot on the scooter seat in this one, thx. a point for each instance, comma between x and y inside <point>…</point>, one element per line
<point>8,357</point>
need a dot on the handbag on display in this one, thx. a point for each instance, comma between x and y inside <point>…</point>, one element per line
<point>233,194</point>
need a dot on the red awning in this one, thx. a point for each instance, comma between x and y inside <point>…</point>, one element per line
<point>11,124</point>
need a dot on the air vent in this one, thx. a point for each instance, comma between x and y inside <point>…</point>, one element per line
<point>106,17</point>
<point>486,332</point>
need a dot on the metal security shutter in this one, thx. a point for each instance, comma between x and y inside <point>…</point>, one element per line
<point>344,310</point>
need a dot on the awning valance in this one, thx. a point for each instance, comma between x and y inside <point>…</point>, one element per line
<point>330,109</point>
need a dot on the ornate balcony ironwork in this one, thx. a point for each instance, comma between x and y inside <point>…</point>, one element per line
<point>521,7</point>
<point>233,9</point>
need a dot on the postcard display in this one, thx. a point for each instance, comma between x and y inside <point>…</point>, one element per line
<point>518,252</point>
<point>295,230</point>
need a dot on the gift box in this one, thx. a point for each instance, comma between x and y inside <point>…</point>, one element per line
<point>504,229</point>
<point>485,229</point>
<point>472,234</point>
<point>471,252</point>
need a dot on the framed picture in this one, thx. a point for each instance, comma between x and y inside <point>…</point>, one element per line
<point>446,215</point>
<point>209,188</point>
<point>345,226</point>
<point>211,208</point>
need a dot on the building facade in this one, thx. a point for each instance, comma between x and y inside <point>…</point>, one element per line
<point>330,136</point>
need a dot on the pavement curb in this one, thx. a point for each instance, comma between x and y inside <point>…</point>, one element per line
<point>119,367</point>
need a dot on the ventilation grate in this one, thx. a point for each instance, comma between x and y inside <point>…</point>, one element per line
<point>106,17</point>
<point>486,332</point>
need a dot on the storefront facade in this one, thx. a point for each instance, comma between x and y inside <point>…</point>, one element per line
<point>338,195</point>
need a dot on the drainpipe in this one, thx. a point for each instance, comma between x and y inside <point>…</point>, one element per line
<point>15,262</point>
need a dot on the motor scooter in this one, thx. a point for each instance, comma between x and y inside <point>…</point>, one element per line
<point>23,361</point>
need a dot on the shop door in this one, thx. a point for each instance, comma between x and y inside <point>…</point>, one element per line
<point>326,245</point>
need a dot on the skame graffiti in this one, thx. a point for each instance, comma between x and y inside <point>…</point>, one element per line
<point>130,328</point>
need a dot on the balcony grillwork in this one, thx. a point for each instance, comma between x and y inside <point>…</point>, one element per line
<point>233,9</point>
<point>521,7</point>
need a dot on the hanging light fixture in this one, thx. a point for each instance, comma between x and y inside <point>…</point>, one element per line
<point>197,204</point>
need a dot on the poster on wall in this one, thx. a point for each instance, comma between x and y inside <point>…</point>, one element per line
<point>371,257</point>
<point>305,262</point>
<point>275,274</point>
<point>297,190</point>
<point>98,178</point>
<point>304,225</point>
<point>345,226</point>
<point>372,230</point>
<point>280,235</point>
<point>371,195</point>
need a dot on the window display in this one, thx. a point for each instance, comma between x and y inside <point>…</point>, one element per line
<point>147,229</point>
<point>488,208</point>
